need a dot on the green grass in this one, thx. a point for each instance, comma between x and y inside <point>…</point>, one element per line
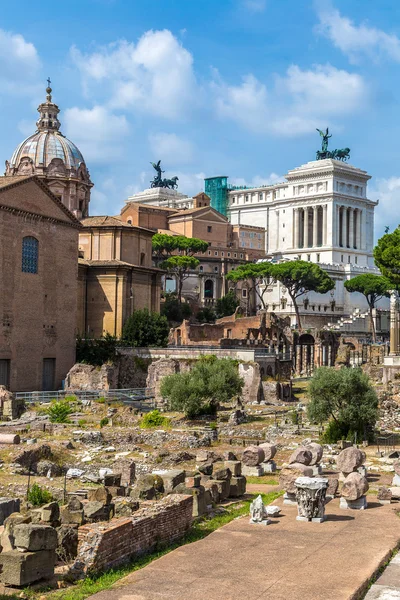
<point>264,480</point>
<point>200,529</point>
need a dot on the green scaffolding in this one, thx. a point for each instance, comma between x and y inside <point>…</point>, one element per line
<point>217,189</point>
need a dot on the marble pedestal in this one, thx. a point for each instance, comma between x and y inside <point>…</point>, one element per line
<point>268,467</point>
<point>310,496</point>
<point>289,499</point>
<point>257,471</point>
<point>359,504</point>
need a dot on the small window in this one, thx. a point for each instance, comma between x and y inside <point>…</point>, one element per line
<point>222,254</point>
<point>216,269</point>
<point>283,225</point>
<point>129,221</point>
<point>30,255</point>
<point>142,258</point>
<point>356,259</point>
<point>209,228</point>
<point>209,253</point>
<point>244,293</point>
<point>201,268</point>
<point>215,253</point>
<point>348,259</point>
<point>235,255</point>
<point>229,254</point>
<point>318,257</point>
<point>341,258</point>
<point>308,257</point>
<point>283,211</point>
<point>241,256</point>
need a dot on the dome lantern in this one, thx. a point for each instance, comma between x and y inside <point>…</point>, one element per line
<point>55,159</point>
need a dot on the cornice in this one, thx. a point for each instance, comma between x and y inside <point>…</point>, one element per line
<point>35,217</point>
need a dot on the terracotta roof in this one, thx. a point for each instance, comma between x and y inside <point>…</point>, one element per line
<point>190,211</point>
<point>147,206</point>
<point>104,221</point>
<point>114,263</point>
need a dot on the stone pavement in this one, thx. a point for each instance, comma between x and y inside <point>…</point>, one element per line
<point>287,560</point>
<point>387,586</point>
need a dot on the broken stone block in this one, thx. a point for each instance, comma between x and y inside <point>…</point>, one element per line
<point>144,488</point>
<point>289,474</point>
<point>193,480</point>
<point>199,501</point>
<point>301,455</point>
<point>7,537</point>
<point>256,471</point>
<point>222,474</point>
<point>350,459</point>
<point>128,472</point>
<point>74,503</point>
<point>23,568</point>
<point>100,494</point>
<point>50,513</point>
<point>124,507</point>
<point>359,504</point>
<point>8,506</point>
<point>116,490</point>
<point>333,484</point>
<point>212,487</point>
<point>47,468</point>
<point>269,451</point>
<point>234,466</point>
<point>172,479</point>
<point>9,438</point>
<point>32,538</point>
<point>316,452</point>
<point>223,488</point>
<point>253,456</point>
<point>206,468</point>
<point>97,511</point>
<point>354,486</point>
<point>228,456</point>
<point>112,479</point>
<point>67,542</point>
<point>71,517</point>
<point>268,467</point>
<point>384,495</point>
<point>237,487</point>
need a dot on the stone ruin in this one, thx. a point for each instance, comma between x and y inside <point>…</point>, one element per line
<point>10,407</point>
<point>257,460</point>
<point>311,498</point>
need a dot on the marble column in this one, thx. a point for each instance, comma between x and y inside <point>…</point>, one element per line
<point>357,228</point>
<point>298,359</point>
<point>344,227</point>
<point>325,225</point>
<point>360,225</point>
<point>315,226</point>
<point>296,241</point>
<point>306,242</point>
<point>351,229</point>
<point>394,323</point>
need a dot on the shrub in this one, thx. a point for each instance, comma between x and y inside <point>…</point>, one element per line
<point>154,419</point>
<point>226,306</point>
<point>59,411</point>
<point>38,496</point>
<point>100,400</point>
<point>346,397</point>
<point>200,390</point>
<point>206,315</point>
<point>104,421</point>
<point>173,310</point>
<point>96,352</point>
<point>82,422</point>
<point>144,328</point>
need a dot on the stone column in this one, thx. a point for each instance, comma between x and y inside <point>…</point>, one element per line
<point>298,359</point>
<point>324,363</point>
<point>296,228</point>
<point>344,227</point>
<point>357,228</point>
<point>325,225</point>
<point>315,226</point>
<point>351,229</point>
<point>394,323</point>
<point>306,242</point>
<point>360,228</point>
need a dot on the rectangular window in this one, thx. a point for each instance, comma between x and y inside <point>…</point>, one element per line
<point>318,257</point>
<point>348,259</point>
<point>222,254</point>
<point>5,372</point>
<point>356,259</point>
<point>229,254</point>
<point>244,293</point>
<point>215,253</point>
<point>30,254</point>
<point>209,228</point>
<point>341,258</point>
<point>308,257</point>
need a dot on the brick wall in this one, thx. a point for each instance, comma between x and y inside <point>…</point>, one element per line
<point>106,545</point>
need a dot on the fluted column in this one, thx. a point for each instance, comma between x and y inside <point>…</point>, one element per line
<point>296,241</point>
<point>360,221</point>
<point>357,228</point>
<point>325,225</point>
<point>306,228</point>
<point>351,229</point>
<point>344,227</point>
<point>315,226</point>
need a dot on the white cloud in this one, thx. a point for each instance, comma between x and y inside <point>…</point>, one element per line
<point>255,6</point>
<point>355,40</point>
<point>170,147</point>
<point>296,104</point>
<point>155,75</point>
<point>387,214</point>
<point>19,63</point>
<point>97,132</point>
<point>257,180</point>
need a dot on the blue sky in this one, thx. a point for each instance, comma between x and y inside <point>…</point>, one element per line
<point>234,87</point>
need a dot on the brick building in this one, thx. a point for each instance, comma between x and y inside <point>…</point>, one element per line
<point>116,275</point>
<point>38,282</point>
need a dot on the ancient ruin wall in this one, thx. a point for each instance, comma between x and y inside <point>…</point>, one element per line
<point>106,545</point>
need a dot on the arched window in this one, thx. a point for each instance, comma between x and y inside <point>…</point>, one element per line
<point>209,289</point>
<point>30,255</point>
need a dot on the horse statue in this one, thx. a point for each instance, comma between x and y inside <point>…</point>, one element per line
<point>171,184</point>
<point>342,154</point>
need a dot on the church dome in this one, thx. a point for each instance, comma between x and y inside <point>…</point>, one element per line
<point>43,146</point>
<point>51,156</point>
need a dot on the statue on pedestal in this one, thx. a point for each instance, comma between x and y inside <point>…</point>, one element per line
<point>159,182</point>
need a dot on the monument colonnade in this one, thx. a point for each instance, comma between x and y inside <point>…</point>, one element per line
<point>310,226</point>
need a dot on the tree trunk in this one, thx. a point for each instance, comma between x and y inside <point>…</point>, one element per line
<point>296,309</point>
<point>180,286</point>
<point>371,307</point>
